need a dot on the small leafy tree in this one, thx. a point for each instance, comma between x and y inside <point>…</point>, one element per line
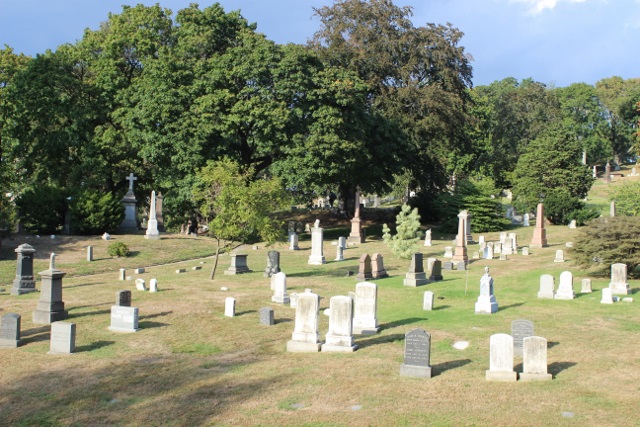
<point>560,208</point>
<point>606,241</point>
<point>408,233</point>
<point>42,209</point>
<point>627,199</point>
<point>93,212</point>
<point>237,206</point>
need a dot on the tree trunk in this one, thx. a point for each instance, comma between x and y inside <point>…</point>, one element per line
<point>215,262</point>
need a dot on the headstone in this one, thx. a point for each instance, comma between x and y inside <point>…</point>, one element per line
<point>196,268</point>
<point>434,269</point>
<point>595,171</point>
<point>273,263</point>
<point>184,270</point>
<point>317,250</point>
<point>525,251</point>
<point>607,173</point>
<point>427,238</point>
<point>461,265</point>
<point>50,306</point>
<point>293,300</point>
<point>377,267</point>
<point>569,244</point>
<point>573,224</point>
<point>230,307</point>
<point>488,252</point>
<point>24,281</point>
<point>342,242</point>
<point>559,256</point>
<point>534,359</point>
<point>486,303</point>
<point>238,265</point>
<point>618,284</point>
<point>280,289</point>
<point>497,248</point>
<point>364,268</point>
<point>339,338</point>
<point>152,232</point>
<point>123,274</point>
<point>139,270</point>
<point>159,212</point>
<point>448,252</point>
<point>89,253</point>
<point>501,359</point>
<point>503,237</point>
<point>565,288</point>
<point>460,252</point>
<point>476,255</point>
<point>63,338</point>
<point>365,321</point>
<point>293,241</point>
<point>427,301</point>
<point>586,286</point>
<point>514,242</point>
<point>520,329</point>
<point>140,285</point>
<point>481,240</point>
<point>447,266</point>
<point>503,257</point>
<point>417,354</point>
<point>507,248</point>
<point>129,222</point>
<point>153,285</point>
<point>124,319</point>
<point>468,238</point>
<point>123,298</point>
<point>547,287</point>
<point>106,236</point>
<point>526,220</point>
<point>416,275</point>
<point>10,331</point>
<point>539,239</point>
<point>607,297</point>
<point>266,316</point>
<point>339,253</point>
<point>305,337</point>
<point>356,235</point>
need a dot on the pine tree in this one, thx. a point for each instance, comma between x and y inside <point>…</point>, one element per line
<point>408,233</point>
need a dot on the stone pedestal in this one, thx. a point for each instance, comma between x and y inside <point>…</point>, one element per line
<point>460,252</point>
<point>539,239</point>
<point>24,281</point>
<point>356,235</point>
<point>50,306</point>
<point>238,265</point>
<point>317,249</point>
<point>129,222</point>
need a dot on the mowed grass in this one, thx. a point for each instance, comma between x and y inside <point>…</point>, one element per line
<point>190,366</point>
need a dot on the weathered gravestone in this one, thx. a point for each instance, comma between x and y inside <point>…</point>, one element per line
<point>434,269</point>
<point>238,265</point>
<point>317,243</point>
<point>364,267</point>
<point>525,220</point>
<point>50,305</point>
<point>339,253</point>
<point>365,321</point>
<point>501,359</point>
<point>280,289</point>
<point>63,338</point>
<point>573,224</point>
<point>10,331</point>
<point>266,316</point>
<point>534,359</point>
<point>488,252</point>
<point>139,270</point>
<point>342,242</point>
<point>559,256</point>
<point>486,303</point>
<point>520,329</point>
<point>377,267</point>
<point>152,232</point>
<point>89,253</point>
<point>565,288</point>
<point>123,298</point>
<point>586,286</point>
<point>140,284</point>
<point>24,281</point>
<point>618,284</point>
<point>273,263</point>
<point>123,274</point>
<point>417,354</point>
<point>448,252</point>
<point>124,319</point>
<point>525,251</point>
<point>339,338</point>
<point>305,337</point>
<point>230,307</point>
<point>547,287</point>
<point>607,297</point>
<point>153,285</point>
<point>427,238</point>
<point>416,275</point>
<point>293,241</point>
<point>427,302</point>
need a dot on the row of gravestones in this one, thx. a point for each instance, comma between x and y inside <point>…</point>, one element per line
<point>617,286</point>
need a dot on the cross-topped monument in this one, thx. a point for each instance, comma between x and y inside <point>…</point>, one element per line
<point>129,202</point>
<point>131,178</point>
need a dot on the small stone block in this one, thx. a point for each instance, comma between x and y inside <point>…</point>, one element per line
<point>447,266</point>
<point>303,347</point>
<point>535,377</point>
<point>181,270</point>
<point>139,271</point>
<point>197,267</point>
<point>501,376</point>
<point>415,371</point>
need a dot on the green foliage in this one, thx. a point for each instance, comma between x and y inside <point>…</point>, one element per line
<point>8,215</point>
<point>41,209</point>
<point>118,249</point>
<point>606,241</point>
<point>93,212</point>
<point>560,208</point>
<point>627,198</point>
<point>403,243</point>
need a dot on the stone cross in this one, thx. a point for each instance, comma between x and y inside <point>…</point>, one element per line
<point>131,178</point>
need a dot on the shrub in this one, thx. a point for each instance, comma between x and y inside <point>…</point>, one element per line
<point>560,208</point>
<point>627,199</point>
<point>41,210</point>
<point>118,249</point>
<point>93,212</point>
<point>606,241</point>
<point>407,235</point>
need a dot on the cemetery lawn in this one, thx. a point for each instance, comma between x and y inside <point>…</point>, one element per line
<point>191,366</point>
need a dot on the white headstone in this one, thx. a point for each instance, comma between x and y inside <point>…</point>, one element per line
<point>279,283</point>
<point>586,286</point>
<point>427,238</point>
<point>305,337</point>
<point>365,321</point>
<point>448,252</point>
<point>230,307</point>
<point>486,303</point>
<point>618,284</point>
<point>140,285</point>
<point>317,242</point>
<point>607,298</point>
<point>501,359</point>
<point>152,232</point>
<point>339,338</point>
<point>559,256</point>
<point>339,253</point>
<point>534,359</point>
<point>427,302</point>
<point>525,222</point>
<point>62,338</point>
<point>565,288</point>
<point>293,241</point>
<point>573,224</point>
<point>547,287</point>
<point>153,285</point>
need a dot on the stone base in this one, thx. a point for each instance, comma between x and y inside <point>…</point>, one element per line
<point>460,265</point>
<point>236,271</point>
<point>113,329</point>
<point>4,343</point>
<point>23,288</point>
<point>152,236</point>
<point>48,317</point>
<point>315,260</point>
<point>415,279</point>
<point>533,245</point>
<point>415,371</point>
<point>447,265</point>
<point>486,308</point>
<point>535,377</point>
<point>59,353</point>
<point>619,288</point>
<point>564,296</point>
<point>501,376</point>
<point>339,348</point>
<point>380,274</point>
<point>303,347</point>
<point>364,277</point>
<point>542,295</point>
<point>435,278</point>
<point>281,299</point>
<point>364,330</point>
<point>355,239</point>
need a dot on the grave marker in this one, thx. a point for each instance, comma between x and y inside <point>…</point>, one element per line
<point>501,359</point>
<point>10,331</point>
<point>305,337</point>
<point>417,354</point>
<point>565,288</point>
<point>365,321</point>
<point>547,287</point>
<point>339,338</point>
<point>123,298</point>
<point>534,360</point>
<point>266,316</point>
<point>520,329</point>
<point>124,319</point>
<point>427,302</point>
<point>416,275</point>
<point>618,284</point>
<point>63,338</point>
<point>364,267</point>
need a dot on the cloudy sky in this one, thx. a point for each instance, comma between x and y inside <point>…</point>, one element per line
<point>556,42</point>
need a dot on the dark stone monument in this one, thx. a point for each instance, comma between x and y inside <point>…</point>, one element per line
<point>238,264</point>
<point>377,267</point>
<point>266,316</point>
<point>434,268</point>
<point>24,281</point>
<point>273,263</point>
<point>10,331</point>
<point>417,349</point>
<point>520,329</point>
<point>364,268</point>
<point>50,306</point>
<point>129,223</point>
<point>123,298</point>
<point>416,275</point>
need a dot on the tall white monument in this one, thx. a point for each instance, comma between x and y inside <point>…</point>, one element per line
<point>152,225</point>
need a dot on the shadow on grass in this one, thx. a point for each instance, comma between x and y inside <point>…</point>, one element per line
<point>283,320</point>
<point>447,366</point>
<point>506,307</point>
<point>379,340</point>
<point>94,346</point>
<point>149,325</point>
<point>36,334</point>
<point>89,313</point>
<point>164,313</point>
<point>551,344</point>
<point>441,307</point>
<point>245,312</point>
<point>402,322</point>
<point>83,285</point>
<point>85,306</point>
<point>556,367</point>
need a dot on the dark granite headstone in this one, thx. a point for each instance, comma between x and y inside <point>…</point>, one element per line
<point>273,263</point>
<point>520,329</point>
<point>123,298</point>
<point>435,269</point>
<point>416,265</point>
<point>266,316</point>
<point>24,281</point>
<point>417,348</point>
<point>10,331</point>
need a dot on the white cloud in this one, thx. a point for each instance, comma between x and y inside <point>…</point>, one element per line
<point>537,6</point>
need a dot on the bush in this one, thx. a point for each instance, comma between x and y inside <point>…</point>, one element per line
<point>627,198</point>
<point>408,233</point>
<point>93,212</point>
<point>118,249</point>
<point>560,208</point>
<point>606,241</point>
<point>41,210</point>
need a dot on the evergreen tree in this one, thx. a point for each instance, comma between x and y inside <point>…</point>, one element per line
<point>403,243</point>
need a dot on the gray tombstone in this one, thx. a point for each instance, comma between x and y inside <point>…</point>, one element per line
<point>266,316</point>
<point>89,253</point>
<point>293,241</point>
<point>50,305</point>
<point>123,298</point>
<point>273,263</point>
<point>24,281</point>
<point>434,269</point>
<point>10,331</point>
<point>520,329</point>
<point>124,319</point>
<point>364,268</point>
<point>339,253</point>
<point>129,222</point>
<point>63,338</point>
<point>377,267</point>
<point>417,349</point>
<point>416,275</point>
<point>238,265</point>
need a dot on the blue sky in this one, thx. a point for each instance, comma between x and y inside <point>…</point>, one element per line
<point>556,42</point>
